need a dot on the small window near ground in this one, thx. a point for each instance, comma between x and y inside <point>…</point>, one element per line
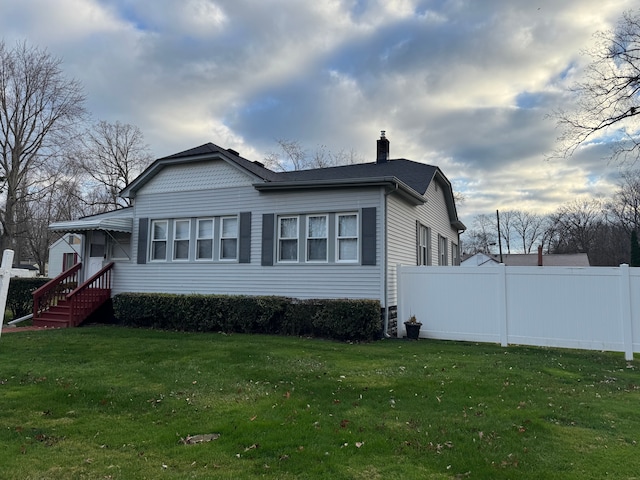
<point>317,233</point>
<point>347,237</point>
<point>229,238</point>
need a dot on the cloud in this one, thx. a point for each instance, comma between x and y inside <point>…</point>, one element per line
<point>462,84</point>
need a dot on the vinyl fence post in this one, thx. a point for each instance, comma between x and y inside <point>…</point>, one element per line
<point>625,311</point>
<point>502,305</point>
<point>5,276</point>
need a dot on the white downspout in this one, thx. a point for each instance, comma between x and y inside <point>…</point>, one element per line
<point>385,264</point>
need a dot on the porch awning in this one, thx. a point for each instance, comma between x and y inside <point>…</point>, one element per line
<point>116,224</point>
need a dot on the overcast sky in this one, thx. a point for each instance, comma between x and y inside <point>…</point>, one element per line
<point>463,84</point>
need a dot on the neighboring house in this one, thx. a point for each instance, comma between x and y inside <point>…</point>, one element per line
<point>24,271</point>
<point>64,253</point>
<point>548,260</point>
<point>528,260</point>
<point>208,221</point>
<point>479,259</point>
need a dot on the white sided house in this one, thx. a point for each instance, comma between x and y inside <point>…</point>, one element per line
<point>209,221</point>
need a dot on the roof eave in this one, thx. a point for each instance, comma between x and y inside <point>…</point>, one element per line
<point>402,188</point>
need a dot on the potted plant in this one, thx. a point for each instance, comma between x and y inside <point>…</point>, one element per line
<point>413,327</point>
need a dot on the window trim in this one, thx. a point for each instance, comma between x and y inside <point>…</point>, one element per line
<point>296,238</point>
<point>325,238</point>
<point>443,255</point>
<point>198,239</point>
<point>222,238</point>
<point>338,237</point>
<point>153,240</point>
<point>424,248</point>
<point>188,240</point>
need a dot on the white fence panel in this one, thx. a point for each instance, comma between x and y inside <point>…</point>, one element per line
<point>588,308</point>
<point>5,276</point>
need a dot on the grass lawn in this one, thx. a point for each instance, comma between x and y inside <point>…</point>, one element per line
<point>106,402</point>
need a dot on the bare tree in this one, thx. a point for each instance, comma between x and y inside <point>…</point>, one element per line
<point>482,236</point>
<point>577,226</point>
<point>609,95</point>
<point>625,204</point>
<point>293,156</point>
<point>60,200</point>
<point>110,156</point>
<point>39,109</point>
<point>529,227</point>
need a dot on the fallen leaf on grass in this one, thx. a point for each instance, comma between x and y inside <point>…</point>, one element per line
<point>252,447</point>
<point>359,444</point>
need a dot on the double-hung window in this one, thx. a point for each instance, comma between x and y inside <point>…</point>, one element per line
<point>159,232</point>
<point>423,245</point>
<point>442,250</point>
<point>317,233</point>
<point>204,239</point>
<point>347,237</point>
<point>181,237</point>
<point>288,239</point>
<point>229,238</point>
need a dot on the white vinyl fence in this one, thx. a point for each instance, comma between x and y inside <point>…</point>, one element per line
<point>593,308</point>
<point>5,275</point>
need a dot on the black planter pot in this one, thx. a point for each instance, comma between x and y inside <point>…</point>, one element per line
<point>413,330</point>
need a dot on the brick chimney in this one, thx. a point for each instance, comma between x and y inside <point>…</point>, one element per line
<point>383,149</point>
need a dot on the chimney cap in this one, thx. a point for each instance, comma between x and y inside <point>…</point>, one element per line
<point>382,134</point>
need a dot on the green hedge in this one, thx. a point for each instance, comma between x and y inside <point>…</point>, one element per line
<point>20,296</point>
<point>336,319</point>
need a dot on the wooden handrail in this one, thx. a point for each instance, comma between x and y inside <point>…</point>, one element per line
<point>86,298</point>
<point>55,290</point>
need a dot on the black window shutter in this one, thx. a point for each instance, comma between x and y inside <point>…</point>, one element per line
<point>245,238</point>
<point>143,234</point>
<point>369,236</point>
<point>268,223</point>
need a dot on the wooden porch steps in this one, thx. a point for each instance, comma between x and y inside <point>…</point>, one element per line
<point>57,316</point>
<point>62,303</point>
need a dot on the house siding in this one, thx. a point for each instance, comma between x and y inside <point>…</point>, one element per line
<point>402,218</point>
<point>197,176</point>
<point>300,280</point>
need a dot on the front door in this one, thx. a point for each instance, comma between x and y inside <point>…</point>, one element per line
<point>97,250</point>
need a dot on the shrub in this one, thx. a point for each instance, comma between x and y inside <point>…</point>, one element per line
<point>337,319</point>
<point>20,296</point>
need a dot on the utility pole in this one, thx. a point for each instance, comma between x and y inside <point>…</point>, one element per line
<point>499,236</point>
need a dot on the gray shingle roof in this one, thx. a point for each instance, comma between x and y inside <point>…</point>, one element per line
<point>416,175</point>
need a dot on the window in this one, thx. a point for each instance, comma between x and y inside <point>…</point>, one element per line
<point>119,246</point>
<point>204,239</point>
<point>455,253</point>
<point>159,230</point>
<point>317,238</point>
<point>69,260</point>
<point>442,250</point>
<point>347,237</point>
<point>288,239</point>
<point>424,247</point>
<point>181,236</point>
<point>229,238</point>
